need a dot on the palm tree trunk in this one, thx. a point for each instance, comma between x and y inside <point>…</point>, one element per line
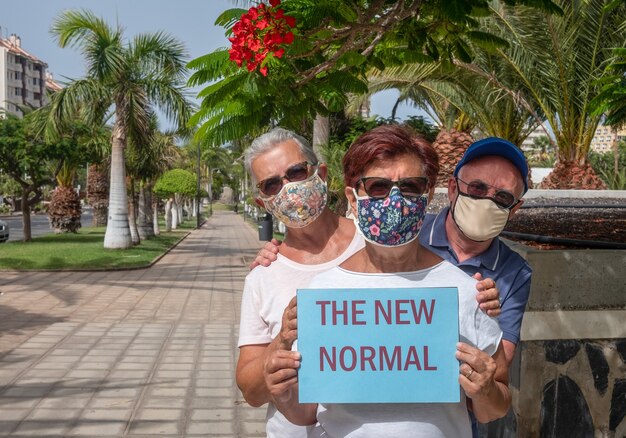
<point>132,215</point>
<point>615,149</point>
<point>321,135</point>
<point>155,217</point>
<point>64,210</point>
<point>144,224</point>
<point>98,193</point>
<point>117,235</point>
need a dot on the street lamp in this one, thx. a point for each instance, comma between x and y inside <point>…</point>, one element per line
<point>198,189</point>
<point>211,171</point>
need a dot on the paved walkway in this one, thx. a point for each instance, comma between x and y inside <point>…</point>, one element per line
<point>147,352</point>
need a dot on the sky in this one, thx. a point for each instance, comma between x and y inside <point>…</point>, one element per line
<point>190,21</point>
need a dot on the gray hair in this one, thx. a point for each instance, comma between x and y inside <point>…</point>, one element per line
<point>272,139</point>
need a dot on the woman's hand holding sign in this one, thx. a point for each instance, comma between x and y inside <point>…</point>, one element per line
<point>280,372</point>
<point>281,366</point>
<point>484,379</point>
<point>289,326</point>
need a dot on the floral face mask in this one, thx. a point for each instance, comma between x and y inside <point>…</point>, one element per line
<point>392,221</point>
<point>298,203</point>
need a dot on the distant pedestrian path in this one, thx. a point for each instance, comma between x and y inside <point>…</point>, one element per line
<point>147,352</point>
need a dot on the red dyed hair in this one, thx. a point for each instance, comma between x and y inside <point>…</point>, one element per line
<point>386,142</point>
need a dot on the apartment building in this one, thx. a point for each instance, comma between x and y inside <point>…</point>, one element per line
<point>24,79</point>
<point>528,145</point>
<point>604,138</point>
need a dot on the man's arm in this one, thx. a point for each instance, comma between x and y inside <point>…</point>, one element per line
<point>266,255</point>
<point>509,351</point>
<point>513,307</point>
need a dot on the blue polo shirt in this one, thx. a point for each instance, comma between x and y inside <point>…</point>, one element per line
<point>500,263</point>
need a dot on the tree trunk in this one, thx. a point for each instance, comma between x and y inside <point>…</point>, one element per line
<point>169,215</point>
<point>26,228</point>
<point>117,233</point>
<point>98,193</point>
<point>571,175</point>
<point>144,224</point>
<point>155,217</point>
<point>175,211</point>
<point>64,210</point>
<point>321,135</point>
<point>180,202</point>
<point>132,215</point>
<point>615,148</point>
<point>450,144</point>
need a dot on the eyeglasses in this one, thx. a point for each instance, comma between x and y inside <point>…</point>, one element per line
<point>377,187</point>
<point>298,172</point>
<point>478,189</point>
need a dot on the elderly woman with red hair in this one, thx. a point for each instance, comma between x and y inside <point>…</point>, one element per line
<point>389,175</point>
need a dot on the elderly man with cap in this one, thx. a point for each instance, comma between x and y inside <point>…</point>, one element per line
<point>485,192</point>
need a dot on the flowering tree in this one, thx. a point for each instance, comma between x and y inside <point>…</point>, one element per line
<point>260,32</point>
<point>292,61</point>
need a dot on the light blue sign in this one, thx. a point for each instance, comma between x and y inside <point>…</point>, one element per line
<point>378,345</point>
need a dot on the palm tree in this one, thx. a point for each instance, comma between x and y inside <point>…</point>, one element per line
<point>132,77</point>
<point>81,143</point>
<point>429,87</point>
<point>612,97</point>
<point>146,162</point>
<point>559,59</point>
<point>460,100</point>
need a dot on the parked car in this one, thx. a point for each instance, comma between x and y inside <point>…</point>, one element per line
<point>4,231</point>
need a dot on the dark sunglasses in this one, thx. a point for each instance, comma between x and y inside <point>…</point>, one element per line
<point>298,172</point>
<point>478,189</point>
<point>379,188</point>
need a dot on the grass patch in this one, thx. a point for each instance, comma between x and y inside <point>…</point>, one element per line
<point>83,250</point>
<point>218,206</point>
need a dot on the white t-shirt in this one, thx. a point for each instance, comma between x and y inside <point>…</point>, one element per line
<point>430,420</point>
<point>266,294</point>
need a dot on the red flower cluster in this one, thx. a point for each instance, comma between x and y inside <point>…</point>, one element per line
<point>263,30</point>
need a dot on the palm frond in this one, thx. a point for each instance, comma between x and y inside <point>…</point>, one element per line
<point>211,67</point>
<point>159,53</point>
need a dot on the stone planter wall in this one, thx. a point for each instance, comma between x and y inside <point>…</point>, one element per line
<point>569,376</point>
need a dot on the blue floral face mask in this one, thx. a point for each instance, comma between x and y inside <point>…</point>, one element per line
<point>392,221</point>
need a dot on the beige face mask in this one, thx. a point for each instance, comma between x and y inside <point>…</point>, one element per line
<point>479,219</point>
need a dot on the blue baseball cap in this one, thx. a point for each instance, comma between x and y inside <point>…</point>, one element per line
<point>496,146</point>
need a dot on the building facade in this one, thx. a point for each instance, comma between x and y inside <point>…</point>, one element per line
<point>24,79</point>
<point>528,145</point>
<point>605,137</point>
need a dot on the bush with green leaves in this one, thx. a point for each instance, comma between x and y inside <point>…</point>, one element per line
<point>604,165</point>
<point>175,181</point>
